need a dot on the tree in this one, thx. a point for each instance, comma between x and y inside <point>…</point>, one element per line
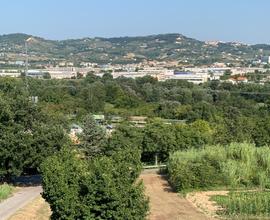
<point>62,176</point>
<point>93,137</point>
<point>107,76</point>
<point>158,141</point>
<point>101,188</point>
<point>194,135</point>
<point>94,97</point>
<point>27,137</point>
<point>91,77</point>
<point>261,132</point>
<point>47,75</point>
<point>123,137</point>
<point>113,90</point>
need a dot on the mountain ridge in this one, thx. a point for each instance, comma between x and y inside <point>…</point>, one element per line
<point>160,47</point>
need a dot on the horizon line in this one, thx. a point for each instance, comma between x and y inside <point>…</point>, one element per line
<point>129,36</point>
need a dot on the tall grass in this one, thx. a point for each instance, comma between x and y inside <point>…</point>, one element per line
<point>5,191</point>
<point>245,204</point>
<point>235,165</point>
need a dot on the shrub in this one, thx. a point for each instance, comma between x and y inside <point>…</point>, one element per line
<point>190,170</point>
<point>5,191</point>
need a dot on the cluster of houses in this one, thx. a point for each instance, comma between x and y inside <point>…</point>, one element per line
<point>160,70</point>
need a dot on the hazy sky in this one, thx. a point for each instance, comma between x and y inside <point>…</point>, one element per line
<point>228,20</point>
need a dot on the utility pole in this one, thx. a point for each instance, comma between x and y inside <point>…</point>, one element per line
<point>26,59</point>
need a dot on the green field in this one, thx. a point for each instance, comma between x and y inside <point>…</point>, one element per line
<point>245,205</point>
<point>5,191</point>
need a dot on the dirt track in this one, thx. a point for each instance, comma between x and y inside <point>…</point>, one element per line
<point>165,204</point>
<point>11,205</point>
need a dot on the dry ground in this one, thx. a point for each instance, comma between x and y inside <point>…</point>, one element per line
<point>202,201</point>
<point>168,205</point>
<point>164,203</point>
<point>38,209</point>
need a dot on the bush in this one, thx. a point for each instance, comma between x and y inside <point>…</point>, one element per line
<point>190,170</point>
<point>5,191</point>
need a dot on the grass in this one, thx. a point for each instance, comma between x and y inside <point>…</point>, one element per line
<point>5,191</point>
<point>245,205</point>
<point>232,166</point>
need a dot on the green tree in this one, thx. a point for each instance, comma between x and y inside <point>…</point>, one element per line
<point>93,137</point>
<point>27,137</point>
<point>102,188</point>
<point>93,96</point>
<point>158,141</point>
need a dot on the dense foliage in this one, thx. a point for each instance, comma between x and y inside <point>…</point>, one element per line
<point>235,165</point>
<point>91,182</point>
<point>101,188</point>
<point>27,134</point>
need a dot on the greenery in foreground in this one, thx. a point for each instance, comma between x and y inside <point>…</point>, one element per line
<point>5,191</point>
<point>245,204</point>
<point>87,182</point>
<point>235,166</point>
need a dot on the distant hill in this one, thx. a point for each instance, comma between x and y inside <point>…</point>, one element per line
<point>165,47</point>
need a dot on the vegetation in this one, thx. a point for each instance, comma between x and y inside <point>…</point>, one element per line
<point>166,47</point>
<point>27,133</point>
<point>234,166</point>
<point>100,188</point>
<point>91,180</point>
<point>93,137</point>
<point>245,205</point>
<point>5,191</point>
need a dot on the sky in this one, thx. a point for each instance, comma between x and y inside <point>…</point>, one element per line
<point>225,20</point>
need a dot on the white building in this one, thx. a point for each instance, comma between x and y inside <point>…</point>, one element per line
<point>196,78</point>
<point>10,73</point>
<point>35,73</point>
<point>62,72</point>
<point>266,59</point>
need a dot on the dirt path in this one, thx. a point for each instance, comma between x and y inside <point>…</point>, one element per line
<point>38,209</point>
<point>165,204</point>
<point>11,205</point>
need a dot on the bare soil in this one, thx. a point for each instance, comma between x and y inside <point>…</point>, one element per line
<point>166,204</point>
<point>202,201</point>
